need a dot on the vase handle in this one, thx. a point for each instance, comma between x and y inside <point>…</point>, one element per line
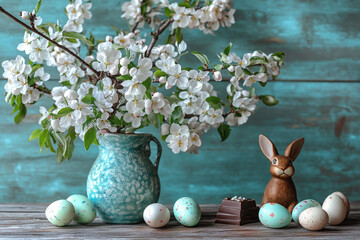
<point>159,151</point>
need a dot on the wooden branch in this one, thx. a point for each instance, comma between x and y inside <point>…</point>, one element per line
<point>155,36</point>
<point>42,89</point>
<point>33,29</point>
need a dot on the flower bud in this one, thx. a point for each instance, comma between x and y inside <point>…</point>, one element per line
<point>124,61</point>
<point>162,80</point>
<point>8,97</point>
<point>165,129</point>
<point>231,68</point>
<point>217,76</point>
<point>124,70</point>
<point>109,39</point>
<point>25,15</point>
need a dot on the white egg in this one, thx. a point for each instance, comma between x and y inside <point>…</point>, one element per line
<point>156,215</point>
<point>335,208</point>
<point>313,218</point>
<point>346,200</point>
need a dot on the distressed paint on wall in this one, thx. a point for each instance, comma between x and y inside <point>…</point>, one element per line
<point>320,38</point>
<point>327,163</point>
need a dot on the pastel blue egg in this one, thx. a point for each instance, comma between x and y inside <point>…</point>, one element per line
<point>84,209</point>
<point>187,211</point>
<point>301,206</point>
<point>274,215</point>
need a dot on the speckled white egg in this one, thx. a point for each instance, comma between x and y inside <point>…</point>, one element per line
<point>314,218</point>
<point>156,215</point>
<point>301,206</point>
<point>335,208</point>
<point>84,209</point>
<point>274,215</point>
<point>60,213</point>
<point>187,211</point>
<point>346,201</point>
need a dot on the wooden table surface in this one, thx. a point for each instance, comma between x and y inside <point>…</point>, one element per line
<point>28,221</point>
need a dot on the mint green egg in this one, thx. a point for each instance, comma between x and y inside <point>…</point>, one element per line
<point>84,209</point>
<point>301,206</point>
<point>274,215</point>
<point>187,211</point>
<point>60,213</point>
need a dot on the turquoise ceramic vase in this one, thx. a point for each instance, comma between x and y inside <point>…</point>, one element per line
<point>123,181</point>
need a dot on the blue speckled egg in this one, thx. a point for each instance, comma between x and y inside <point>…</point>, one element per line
<point>301,206</point>
<point>274,215</point>
<point>187,211</point>
<point>60,213</point>
<point>84,209</point>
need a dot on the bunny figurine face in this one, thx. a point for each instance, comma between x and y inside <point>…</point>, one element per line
<point>281,165</point>
<point>281,188</point>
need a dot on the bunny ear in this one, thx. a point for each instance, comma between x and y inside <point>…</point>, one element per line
<point>267,147</point>
<point>293,150</point>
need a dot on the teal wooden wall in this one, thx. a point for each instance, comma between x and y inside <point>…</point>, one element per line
<point>319,100</point>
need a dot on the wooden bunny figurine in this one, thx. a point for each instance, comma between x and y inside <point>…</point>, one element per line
<point>281,188</point>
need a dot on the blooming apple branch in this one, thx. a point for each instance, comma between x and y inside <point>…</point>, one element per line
<point>124,84</point>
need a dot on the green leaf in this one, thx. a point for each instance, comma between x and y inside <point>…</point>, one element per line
<point>147,83</point>
<point>202,57</point>
<point>13,98</point>
<point>18,105</point>
<point>184,4</point>
<point>37,7</point>
<point>246,71</point>
<point>35,134</point>
<point>116,122</point>
<point>72,40</point>
<point>227,49</point>
<point>258,60</point>
<point>268,100</point>
<point>124,77</point>
<point>21,114</point>
<point>214,102</point>
<point>168,12</point>
<point>154,119</point>
<point>218,67</point>
<point>251,92</point>
<point>177,114</point>
<point>59,154</point>
<point>64,112</point>
<point>78,36</point>
<point>263,84</point>
<point>178,35</point>
<point>43,137</point>
<point>88,99</point>
<point>70,149</point>
<point>89,137</point>
<point>148,94</point>
<point>224,131</point>
<point>159,73</point>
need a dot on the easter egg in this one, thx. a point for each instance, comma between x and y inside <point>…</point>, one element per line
<point>301,206</point>
<point>274,215</point>
<point>314,218</point>
<point>346,200</point>
<point>187,211</point>
<point>156,215</point>
<point>335,208</point>
<point>60,213</point>
<point>84,209</point>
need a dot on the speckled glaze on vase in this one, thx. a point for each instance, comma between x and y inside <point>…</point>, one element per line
<point>123,181</point>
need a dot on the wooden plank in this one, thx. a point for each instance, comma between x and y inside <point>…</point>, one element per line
<point>21,223</point>
<point>318,39</point>
<point>327,163</point>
